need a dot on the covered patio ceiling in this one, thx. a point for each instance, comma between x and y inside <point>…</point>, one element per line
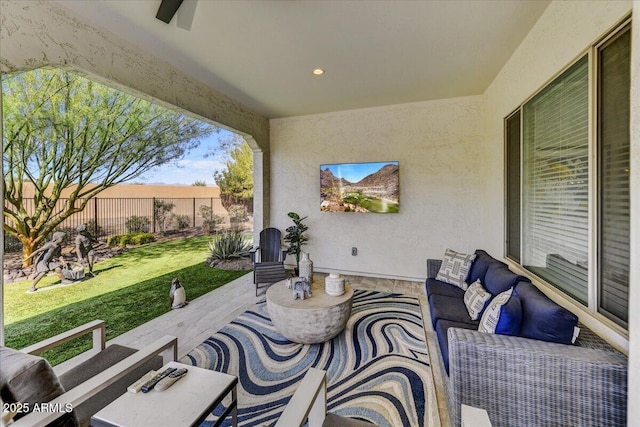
<point>262,53</point>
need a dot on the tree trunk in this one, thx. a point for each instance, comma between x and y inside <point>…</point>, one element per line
<point>28,246</point>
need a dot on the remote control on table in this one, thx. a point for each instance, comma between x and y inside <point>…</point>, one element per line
<point>153,381</point>
<point>168,381</point>
<point>137,386</point>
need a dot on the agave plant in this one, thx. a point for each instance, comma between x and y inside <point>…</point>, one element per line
<point>229,245</point>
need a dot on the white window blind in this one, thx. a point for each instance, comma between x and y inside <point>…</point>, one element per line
<point>555,182</point>
<point>614,143</point>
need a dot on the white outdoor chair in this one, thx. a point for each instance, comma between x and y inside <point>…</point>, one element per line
<point>309,402</point>
<point>86,387</point>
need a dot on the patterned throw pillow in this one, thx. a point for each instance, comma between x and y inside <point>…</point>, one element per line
<point>455,268</point>
<point>503,315</point>
<point>476,298</point>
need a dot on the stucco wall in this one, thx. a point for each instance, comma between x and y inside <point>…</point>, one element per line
<point>564,31</point>
<point>439,147</point>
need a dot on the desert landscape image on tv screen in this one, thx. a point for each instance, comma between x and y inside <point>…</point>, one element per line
<point>360,187</point>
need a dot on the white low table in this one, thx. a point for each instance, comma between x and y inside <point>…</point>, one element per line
<point>186,403</point>
<point>312,320</point>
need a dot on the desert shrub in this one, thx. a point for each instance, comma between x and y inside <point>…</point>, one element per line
<point>137,224</point>
<point>161,212</point>
<point>117,240</point>
<point>142,238</point>
<point>210,220</point>
<point>130,239</point>
<point>229,245</point>
<point>238,213</point>
<point>181,221</point>
<point>210,225</point>
<point>205,211</point>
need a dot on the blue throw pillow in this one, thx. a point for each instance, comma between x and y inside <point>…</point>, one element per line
<point>503,315</point>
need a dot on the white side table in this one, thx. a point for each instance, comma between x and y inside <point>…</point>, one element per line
<point>186,403</point>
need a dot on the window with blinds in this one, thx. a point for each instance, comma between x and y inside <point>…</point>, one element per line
<point>614,83</point>
<point>552,215</point>
<point>555,214</point>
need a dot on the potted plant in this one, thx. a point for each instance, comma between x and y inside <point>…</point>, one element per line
<point>295,237</point>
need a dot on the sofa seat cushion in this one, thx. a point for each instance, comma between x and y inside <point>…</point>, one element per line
<point>499,279</point>
<point>436,287</point>
<point>480,266</point>
<point>30,379</point>
<point>96,364</point>
<point>105,359</point>
<point>441,333</point>
<point>543,319</point>
<point>450,308</point>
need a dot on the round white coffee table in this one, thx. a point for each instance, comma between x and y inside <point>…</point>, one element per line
<point>312,320</point>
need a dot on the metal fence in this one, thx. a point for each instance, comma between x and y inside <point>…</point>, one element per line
<point>109,216</point>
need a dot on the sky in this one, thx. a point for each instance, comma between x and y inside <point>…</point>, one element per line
<point>354,172</point>
<point>193,167</point>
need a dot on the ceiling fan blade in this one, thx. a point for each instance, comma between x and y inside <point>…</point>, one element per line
<point>167,9</point>
<point>186,13</point>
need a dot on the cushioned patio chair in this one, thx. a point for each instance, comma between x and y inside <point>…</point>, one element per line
<point>268,258</point>
<point>103,374</point>
<point>309,404</point>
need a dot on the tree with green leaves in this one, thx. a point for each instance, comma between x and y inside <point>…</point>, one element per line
<point>62,131</point>
<point>236,181</point>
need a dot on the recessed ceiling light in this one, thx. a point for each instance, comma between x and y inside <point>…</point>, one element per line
<point>318,71</point>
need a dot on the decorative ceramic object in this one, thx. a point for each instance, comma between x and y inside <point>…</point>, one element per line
<point>334,285</point>
<point>177,295</point>
<point>301,289</point>
<point>306,267</point>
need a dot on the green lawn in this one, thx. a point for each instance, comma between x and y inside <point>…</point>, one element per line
<point>128,290</point>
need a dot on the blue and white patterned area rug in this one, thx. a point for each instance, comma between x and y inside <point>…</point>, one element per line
<point>377,369</point>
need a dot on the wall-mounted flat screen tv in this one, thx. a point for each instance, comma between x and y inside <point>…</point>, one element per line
<point>360,187</point>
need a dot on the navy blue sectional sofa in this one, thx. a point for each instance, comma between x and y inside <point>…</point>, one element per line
<point>540,376</point>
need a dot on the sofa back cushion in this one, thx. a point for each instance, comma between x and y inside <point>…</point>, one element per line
<point>480,266</point>
<point>543,319</point>
<point>499,279</point>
